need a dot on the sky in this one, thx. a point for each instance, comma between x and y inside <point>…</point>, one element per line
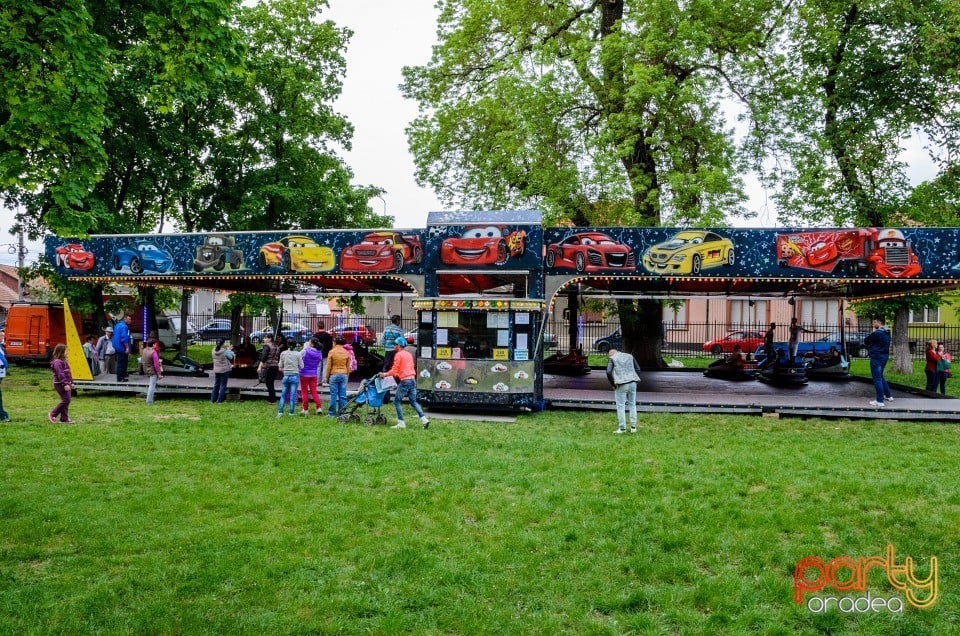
<point>388,35</point>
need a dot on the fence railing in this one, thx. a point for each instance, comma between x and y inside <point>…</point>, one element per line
<point>686,339</point>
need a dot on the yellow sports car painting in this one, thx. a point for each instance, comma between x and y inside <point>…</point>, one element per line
<point>297,254</point>
<point>689,252</point>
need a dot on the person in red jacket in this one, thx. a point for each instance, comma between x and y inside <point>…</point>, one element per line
<point>405,372</point>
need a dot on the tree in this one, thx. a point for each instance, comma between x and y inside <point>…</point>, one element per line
<point>53,73</point>
<point>599,112</point>
<point>851,83</point>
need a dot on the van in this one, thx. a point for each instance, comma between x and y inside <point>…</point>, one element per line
<point>168,329</point>
<point>34,329</point>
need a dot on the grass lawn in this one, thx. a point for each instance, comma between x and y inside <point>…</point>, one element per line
<point>193,518</point>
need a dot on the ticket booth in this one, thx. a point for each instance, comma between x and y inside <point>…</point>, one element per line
<point>480,353</point>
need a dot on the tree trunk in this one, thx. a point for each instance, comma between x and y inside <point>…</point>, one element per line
<point>641,325</point>
<point>573,311</point>
<point>236,313</point>
<point>184,309</point>
<point>900,344</point>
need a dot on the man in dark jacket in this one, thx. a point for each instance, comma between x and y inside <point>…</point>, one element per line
<point>878,348</point>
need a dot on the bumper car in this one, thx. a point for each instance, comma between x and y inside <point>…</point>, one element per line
<point>573,363</point>
<point>782,370</point>
<point>827,367</point>
<point>723,370</point>
<point>183,366</point>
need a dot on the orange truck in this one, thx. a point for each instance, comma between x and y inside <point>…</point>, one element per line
<point>882,252</point>
<point>33,330</point>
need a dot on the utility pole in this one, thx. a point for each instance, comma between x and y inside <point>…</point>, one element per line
<point>21,255</point>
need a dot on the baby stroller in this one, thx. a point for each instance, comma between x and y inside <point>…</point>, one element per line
<point>369,394</point>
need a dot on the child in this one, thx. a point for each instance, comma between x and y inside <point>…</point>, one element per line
<point>89,351</point>
<point>289,366</point>
<point>62,384</point>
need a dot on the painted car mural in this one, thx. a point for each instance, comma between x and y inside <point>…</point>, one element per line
<point>297,254</point>
<point>882,252</point>
<point>483,245</point>
<point>142,256</point>
<point>382,252</point>
<point>74,256</point>
<point>216,251</point>
<point>590,252</point>
<point>689,252</point>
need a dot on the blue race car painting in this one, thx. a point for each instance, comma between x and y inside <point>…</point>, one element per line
<point>140,256</point>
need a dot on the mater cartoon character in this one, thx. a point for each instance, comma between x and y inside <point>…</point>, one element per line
<point>382,252</point>
<point>216,251</point>
<point>483,245</point>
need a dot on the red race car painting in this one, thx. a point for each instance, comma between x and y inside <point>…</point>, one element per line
<point>382,252</point>
<point>73,256</point>
<point>483,245</point>
<point>590,252</point>
<point>883,252</point>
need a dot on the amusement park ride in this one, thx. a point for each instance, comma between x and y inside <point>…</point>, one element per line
<point>484,282</point>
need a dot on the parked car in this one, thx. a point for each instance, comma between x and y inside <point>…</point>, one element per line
<point>351,333</point>
<point>748,341</point>
<point>610,341</point>
<point>854,340</point>
<point>300,333</point>
<point>215,329</point>
<point>411,336</point>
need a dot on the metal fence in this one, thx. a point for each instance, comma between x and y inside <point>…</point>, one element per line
<point>680,340</point>
<point>688,339</point>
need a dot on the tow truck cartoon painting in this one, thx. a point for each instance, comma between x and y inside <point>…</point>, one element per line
<point>882,252</point>
<point>483,245</point>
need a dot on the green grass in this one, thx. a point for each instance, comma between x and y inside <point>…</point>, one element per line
<point>194,518</point>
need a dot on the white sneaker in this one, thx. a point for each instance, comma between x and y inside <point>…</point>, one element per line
<point>279,414</point>
<point>620,431</point>
<point>304,412</point>
<point>400,424</point>
<point>889,398</point>
<point>425,421</point>
<point>633,429</point>
<point>877,404</point>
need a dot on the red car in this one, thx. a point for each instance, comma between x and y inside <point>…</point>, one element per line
<point>748,341</point>
<point>350,333</point>
<point>382,252</point>
<point>73,256</point>
<point>483,245</point>
<point>590,252</point>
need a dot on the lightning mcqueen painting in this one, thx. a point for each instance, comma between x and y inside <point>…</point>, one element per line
<point>483,245</point>
<point>73,256</point>
<point>382,252</point>
<point>590,252</point>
